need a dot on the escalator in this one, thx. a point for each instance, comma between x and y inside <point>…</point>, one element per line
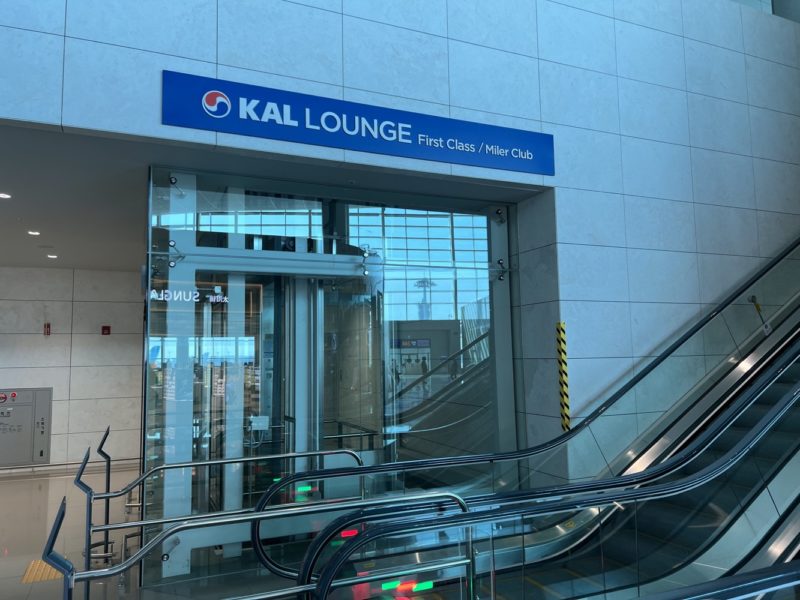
<point>699,523</point>
<point>452,402</point>
<point>737,343</point>
<point>740,339</point>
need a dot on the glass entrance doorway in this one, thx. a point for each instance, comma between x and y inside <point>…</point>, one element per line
<point>283,324</point>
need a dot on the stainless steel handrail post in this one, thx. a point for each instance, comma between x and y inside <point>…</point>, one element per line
<point>87,551</point>
<point>107,512</point>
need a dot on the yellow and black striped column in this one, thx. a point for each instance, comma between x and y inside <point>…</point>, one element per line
<point>563,378</point>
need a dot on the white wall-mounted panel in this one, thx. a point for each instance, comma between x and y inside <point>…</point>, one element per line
<point>776,231</point>
<point>106,382</point>
<point>30,77</point>
<point>89,350</point>
<point>539,323</point>
<point>720,274</point>
<point>97,414</point>
<point>504,24</point>
<point>715,71</point>
<point>46,16</point>
<point>655,325</point>
<point>658,224</point>
<point>122,317</point>
<point>22,350</point>
<point>717,22</point>
<point>585,159</point>
<point>722,178</point>
<point>657,276</point>
<point>186,28</point>
<point>283,38</point>
<point>538,275</point>
<point>656,169</point>
<point>493,81</point>
<point>117,89</point>
<point>653,112</point>
<point>591,37</point>
<point>597,328</point>
<point>592,218</point>
<point>391,60</point>
<point>36,377</point>
<point>649,55</point>
<point>768,37</point>
<point>595,107</point>
<point>776,135</point>
<point>108,286</point>
<point>726,230</point>
<point>717,124</point>
<point>592,273</point>
<point>428,16</point>
<point>777,184</point>
<point>29,316</point>
<point>772,85</point>
<point>664,14</point>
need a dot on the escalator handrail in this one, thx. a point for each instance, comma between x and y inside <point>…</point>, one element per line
<point>490,457</point>
<point>738,586</point>
<point>600,497</point>
<point>430,373</point>
<point>666,468</point>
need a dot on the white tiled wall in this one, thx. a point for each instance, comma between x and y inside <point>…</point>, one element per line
<point>96,379</point>
<point>676,124</point>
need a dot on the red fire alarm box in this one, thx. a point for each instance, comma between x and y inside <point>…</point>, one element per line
<point>106,329</point>
<point>47,328</point>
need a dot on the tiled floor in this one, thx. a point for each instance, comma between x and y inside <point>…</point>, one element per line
<point>29,505</point>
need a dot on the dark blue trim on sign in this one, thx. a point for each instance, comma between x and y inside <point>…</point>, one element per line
<point>229,107</point>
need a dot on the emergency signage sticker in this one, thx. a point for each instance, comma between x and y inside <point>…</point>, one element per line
<point>230,107</point>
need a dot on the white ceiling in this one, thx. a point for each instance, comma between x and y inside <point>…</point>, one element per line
<point>87,195</point>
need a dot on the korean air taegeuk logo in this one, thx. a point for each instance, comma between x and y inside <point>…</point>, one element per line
<point>216,104</point>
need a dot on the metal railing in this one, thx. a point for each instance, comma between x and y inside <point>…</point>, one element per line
<point>72,576</point>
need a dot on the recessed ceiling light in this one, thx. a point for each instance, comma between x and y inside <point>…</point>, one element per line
<point>4,196</point>
<point>52,256</point>
<point>34,233</point>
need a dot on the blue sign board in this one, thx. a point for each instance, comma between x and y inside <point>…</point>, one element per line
<point>230,107</point>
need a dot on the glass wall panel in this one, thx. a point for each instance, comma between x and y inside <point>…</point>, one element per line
<point>287,329</point>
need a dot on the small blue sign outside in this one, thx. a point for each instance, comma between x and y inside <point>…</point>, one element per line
<point>229,107</point>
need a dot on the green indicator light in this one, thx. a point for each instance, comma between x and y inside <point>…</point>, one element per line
<point>337,543</point>
<point>276,479</point>
<point>390,585</point>
<point>421,587</point>
<point>304,488</point>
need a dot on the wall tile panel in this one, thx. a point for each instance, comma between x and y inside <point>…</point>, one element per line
<point>659,224</point>
<point>390,60</point>
<point>117,89</point>
<point>592,273</point>
<point>721,178</point>
<point>283,38</point>
<point>649,55</point>
<point>31,76</point>
<point>776,136</point>
<point>593,218</point>
<point>504,24</point>
<point>585,159</point>
<point>715,71</point>
<point>657,276</point>
<point>592,37</point>
<point>429,16</point>
<point>596,107</point>
<point>725,230</point>
<point>769,38</point>
<point>494,81</point>
<point>777,184</point>
<point>46,16</point>
<point>717,22</point>
<point>22,350</point>
<point>718,124</point>
<point>773,86</point>
<point>656,169</point>
<point>186,28</point>
<point>653,112</point>
<point>664,14</point>
<point>27,316</point>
